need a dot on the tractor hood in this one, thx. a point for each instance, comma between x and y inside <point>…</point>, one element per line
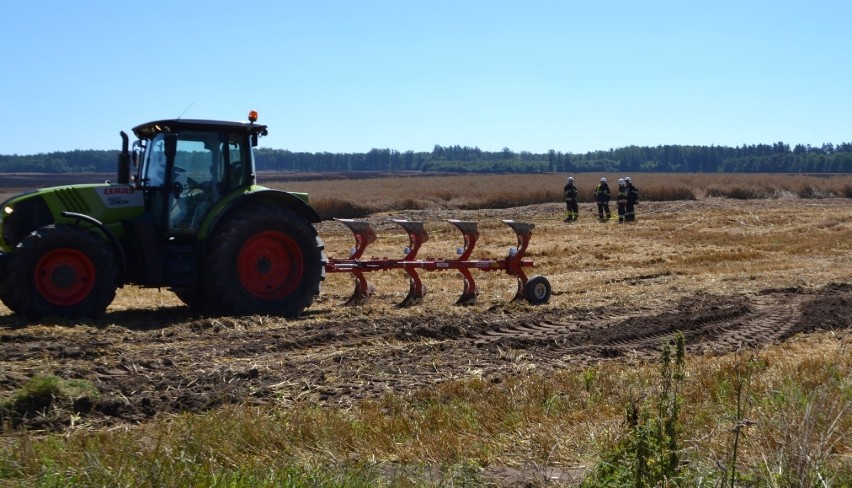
<point>108,203</point>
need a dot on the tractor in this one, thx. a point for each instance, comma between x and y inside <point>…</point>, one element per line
<point>191,219</point>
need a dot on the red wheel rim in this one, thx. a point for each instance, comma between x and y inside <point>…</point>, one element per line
<point>270,265</point>
<point>65,276</point>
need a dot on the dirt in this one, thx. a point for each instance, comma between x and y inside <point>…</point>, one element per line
<point>176,362</point>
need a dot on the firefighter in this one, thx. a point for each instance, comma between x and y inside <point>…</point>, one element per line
<point>602,198</point>
<point>632,200</point>
<point>570,194</point>
<point>621,200</point>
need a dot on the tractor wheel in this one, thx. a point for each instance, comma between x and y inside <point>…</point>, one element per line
<point>537,290</point>
<point>265,260</point>
<point>61,270</point>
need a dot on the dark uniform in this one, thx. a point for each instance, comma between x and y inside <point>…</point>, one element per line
<point>621,200</point>
<point>602,197</point>
<point>570,194</point>
<point>632,200</point>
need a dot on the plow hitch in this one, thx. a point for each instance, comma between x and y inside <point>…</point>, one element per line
<point>535,290</point>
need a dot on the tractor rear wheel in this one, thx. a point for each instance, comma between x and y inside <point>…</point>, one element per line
<point>265,260</point>
<point>61,270</point>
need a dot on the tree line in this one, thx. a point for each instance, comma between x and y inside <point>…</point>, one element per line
<point>756,158</point>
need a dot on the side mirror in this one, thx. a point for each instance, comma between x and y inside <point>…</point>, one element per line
<point>136,161</point>
<point>255,136</point>
<point>136,154</point>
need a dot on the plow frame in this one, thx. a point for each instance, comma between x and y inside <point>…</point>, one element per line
<point>535,290</point>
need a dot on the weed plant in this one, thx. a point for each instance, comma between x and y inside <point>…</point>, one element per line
<point>47,395</point>
<point>648,453</point>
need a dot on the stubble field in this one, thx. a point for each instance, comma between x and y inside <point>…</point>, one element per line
<point>731,275</point>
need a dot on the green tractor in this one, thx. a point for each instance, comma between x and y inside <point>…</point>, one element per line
<point>192,220</point>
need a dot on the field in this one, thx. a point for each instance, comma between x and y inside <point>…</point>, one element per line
<point>754,271</point>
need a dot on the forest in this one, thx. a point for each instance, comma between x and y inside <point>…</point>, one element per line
<point>756,158</point>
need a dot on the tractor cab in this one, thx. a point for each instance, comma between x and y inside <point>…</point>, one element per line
<point>189,172</point>
<point>185,167</point>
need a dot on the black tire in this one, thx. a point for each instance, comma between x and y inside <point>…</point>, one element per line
<point>195,299</point>
<point>61,270</point>
<point>537,290</point>
<point>4,297</point>
<point>265,260</point>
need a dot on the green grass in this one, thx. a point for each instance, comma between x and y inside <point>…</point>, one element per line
<point>47,396</point>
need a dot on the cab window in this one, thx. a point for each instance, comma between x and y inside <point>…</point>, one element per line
<point>155,162</point>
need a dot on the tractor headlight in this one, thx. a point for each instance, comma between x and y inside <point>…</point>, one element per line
<point>7,211</point>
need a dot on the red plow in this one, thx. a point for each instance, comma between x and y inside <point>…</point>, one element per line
<point>535,290</point>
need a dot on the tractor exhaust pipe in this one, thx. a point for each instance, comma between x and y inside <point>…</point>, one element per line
<point>124,161</point>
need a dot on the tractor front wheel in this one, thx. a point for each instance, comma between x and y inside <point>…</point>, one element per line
<point>265,260</point>
<point>61,270</point>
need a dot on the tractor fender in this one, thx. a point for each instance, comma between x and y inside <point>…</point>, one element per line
<point>255,197</point>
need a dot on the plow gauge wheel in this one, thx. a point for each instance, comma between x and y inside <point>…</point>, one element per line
<point>537,290</point>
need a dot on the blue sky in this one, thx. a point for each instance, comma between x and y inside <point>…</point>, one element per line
<point>347,76</point>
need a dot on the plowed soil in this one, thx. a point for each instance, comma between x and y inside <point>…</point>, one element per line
<point>728,275</point>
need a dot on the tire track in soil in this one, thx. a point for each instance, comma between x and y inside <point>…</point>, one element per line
<point>193,365</point>
<point>724,322</point>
